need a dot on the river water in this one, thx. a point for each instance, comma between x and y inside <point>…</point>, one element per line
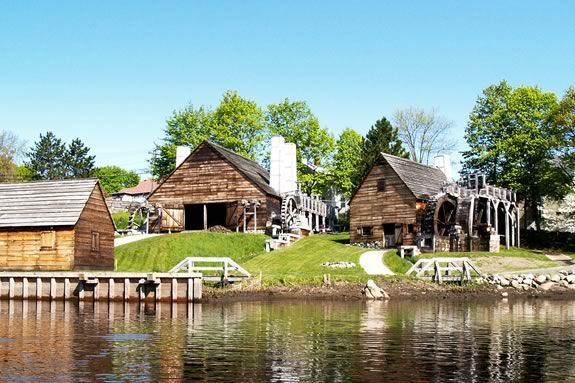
<point>291,341</point>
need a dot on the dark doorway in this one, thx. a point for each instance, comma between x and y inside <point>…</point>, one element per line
<point>194,217</point>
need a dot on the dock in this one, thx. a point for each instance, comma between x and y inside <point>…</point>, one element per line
<point>100,286</point>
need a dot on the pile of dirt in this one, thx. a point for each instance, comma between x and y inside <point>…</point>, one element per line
<point>219,229</point>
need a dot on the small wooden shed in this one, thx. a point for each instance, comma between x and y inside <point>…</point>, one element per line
<point>55,225</point>
<point>214,186</point>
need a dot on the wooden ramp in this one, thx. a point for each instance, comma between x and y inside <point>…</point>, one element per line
<point>214,269</point>
<point>447,269</point>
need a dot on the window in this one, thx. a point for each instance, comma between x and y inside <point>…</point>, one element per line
<point>47,240</point>
<point>410,228</point>
<point>366,230</point>
<point>95,241</point>
<point>381,185</point>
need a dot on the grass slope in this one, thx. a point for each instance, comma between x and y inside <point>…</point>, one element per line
<point>161,253</point>
<point>301,263</point>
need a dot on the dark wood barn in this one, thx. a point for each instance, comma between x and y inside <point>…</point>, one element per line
<point>389,203</point>
<point>214,186</point>
<point>55,225</point>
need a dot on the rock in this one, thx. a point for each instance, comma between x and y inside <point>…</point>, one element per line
<point>525,287</point>
<point>504,282</point>
<point>505,294</point>
<point>499,287</point>
<point>515,284</point>
<point>529,276</point>
<point>519,279</point>
<point>528,281</point>
<point>571,286</point>
<point>547,286</point>
<point>373,291</point>
<point>564,284</point>
<point>555,278</point>
<point>540,279</point>
<point>570,278</point>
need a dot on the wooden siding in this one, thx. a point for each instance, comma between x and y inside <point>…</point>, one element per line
<point>205,177</point>
<point>95,218</point>
<point>370,207</point>
<point>21,249</point>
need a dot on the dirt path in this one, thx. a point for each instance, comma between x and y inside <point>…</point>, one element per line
<point>132,238</point>
<point>372,263</point>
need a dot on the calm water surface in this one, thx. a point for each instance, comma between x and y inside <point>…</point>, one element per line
<point>433,341</point>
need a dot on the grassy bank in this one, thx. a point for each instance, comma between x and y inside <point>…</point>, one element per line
<point>301,264</point>
<point>161,253</point>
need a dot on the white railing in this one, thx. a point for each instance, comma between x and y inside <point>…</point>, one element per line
<point>441,269</point>
<point>230,270</point>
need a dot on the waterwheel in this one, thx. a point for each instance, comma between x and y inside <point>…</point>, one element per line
<point>290,212</point>
<point>444,217</point>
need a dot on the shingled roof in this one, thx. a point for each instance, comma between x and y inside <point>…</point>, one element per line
<point>249,168</point>
<point>423,180</point>
<point>45,203</point>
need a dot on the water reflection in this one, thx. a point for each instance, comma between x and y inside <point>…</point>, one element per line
<point>288,341</point>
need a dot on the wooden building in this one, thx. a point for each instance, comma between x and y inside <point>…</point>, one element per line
<point>385,207</point>
<point>214,186</point>
<point>55,225</point>
<point>402,202</point>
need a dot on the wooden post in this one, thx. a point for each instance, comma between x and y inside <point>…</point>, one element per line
<point>255,217</point>
<point>197,289</point>
<point>205,217</point>
<point>11,288</point>
<point>81,291</point>
<point>488,211</point>
<point>66,288</point>
<point>518,228</point>
<point>38,288</point>
<point>111,286</point>
<point>52,289</point>
<point>24,288</point>
<point>190,289</point>
<point>141,294</point>
<point>126,289</point>
<point>506,226</point>
<point>174,289</point>
<point>496,205</point>
<point>158,292</point>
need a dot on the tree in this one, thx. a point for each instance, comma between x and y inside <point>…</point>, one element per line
<point>11,149</point>
<point>294,121</point>
<point>238,124</point>
<point>513,142</point>
<point>381,137</point>
<point>114,178</point>
<point>47,158</point>
<point>347,162</point>
<point>79,164</point>
<point>424,133</point>
<point>188,127</point>
<point>562,121</point>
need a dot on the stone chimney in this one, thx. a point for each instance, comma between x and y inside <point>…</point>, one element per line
<point>283,170</point>
<point>182,152</point>
<point>443,162</point>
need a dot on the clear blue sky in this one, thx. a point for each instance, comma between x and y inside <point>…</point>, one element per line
<point>111,72</point>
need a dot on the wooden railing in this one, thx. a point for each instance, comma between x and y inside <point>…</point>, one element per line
<point>227,269</point>
<point>448,269</point>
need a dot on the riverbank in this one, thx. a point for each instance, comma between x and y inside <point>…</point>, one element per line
<point>397,288</point>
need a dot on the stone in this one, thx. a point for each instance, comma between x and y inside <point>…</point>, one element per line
<point>373,291</point>
<point>547,286</point>
<point>499,287</point>
<point>571,286</point>
<point>541,279</point>
<point>504,282</point>
<point>515,284</point>
<point>505,294</point>
<point>528,281</point>
<point>564,284</point>
<point>529,276</point>
<point>555,278</point>
<point>525,287</point>
<point>570,278</point>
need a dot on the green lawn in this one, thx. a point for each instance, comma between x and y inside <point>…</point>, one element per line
<point>161,253</point>
<point>300,264</point>
<point>512,252</point>
<point>121,220</point>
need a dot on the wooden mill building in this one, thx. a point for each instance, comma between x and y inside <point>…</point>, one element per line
<point>403,202</point>
<point>214,186</point>
<point>55,225</point>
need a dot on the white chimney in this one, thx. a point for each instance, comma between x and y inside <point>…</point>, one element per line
<point>443,162</point>
<point>283,170</point>
<point>182,152</point>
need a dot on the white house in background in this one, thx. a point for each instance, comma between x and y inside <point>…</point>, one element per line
<point>137,193</point>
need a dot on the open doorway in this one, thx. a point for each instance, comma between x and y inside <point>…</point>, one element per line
<point>216,214</point>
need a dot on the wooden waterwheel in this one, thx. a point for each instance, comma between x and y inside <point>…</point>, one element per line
<point>444,217</point>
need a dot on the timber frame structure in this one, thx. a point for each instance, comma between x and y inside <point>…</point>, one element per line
<point>404,203</point>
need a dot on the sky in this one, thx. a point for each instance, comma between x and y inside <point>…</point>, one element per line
<point>111,72</point>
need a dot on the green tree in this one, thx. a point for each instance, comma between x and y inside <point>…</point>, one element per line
<point>512,141</point>
<point>238,124</point>
<point>11,149</point>
<point>562,121</point>
<point>294,121</point>
<point>347,162</point>
<point>79,164</point>
<point>114,178</point>
<point>189,127</point>
<point>47,158</point>
<point>382,137</point>
<point>423,132</point>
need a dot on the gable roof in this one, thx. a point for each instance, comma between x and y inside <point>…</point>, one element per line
<point>44,203</point>
<point>422,180</point>
<point>249,168</point>
<point>146,186</point>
